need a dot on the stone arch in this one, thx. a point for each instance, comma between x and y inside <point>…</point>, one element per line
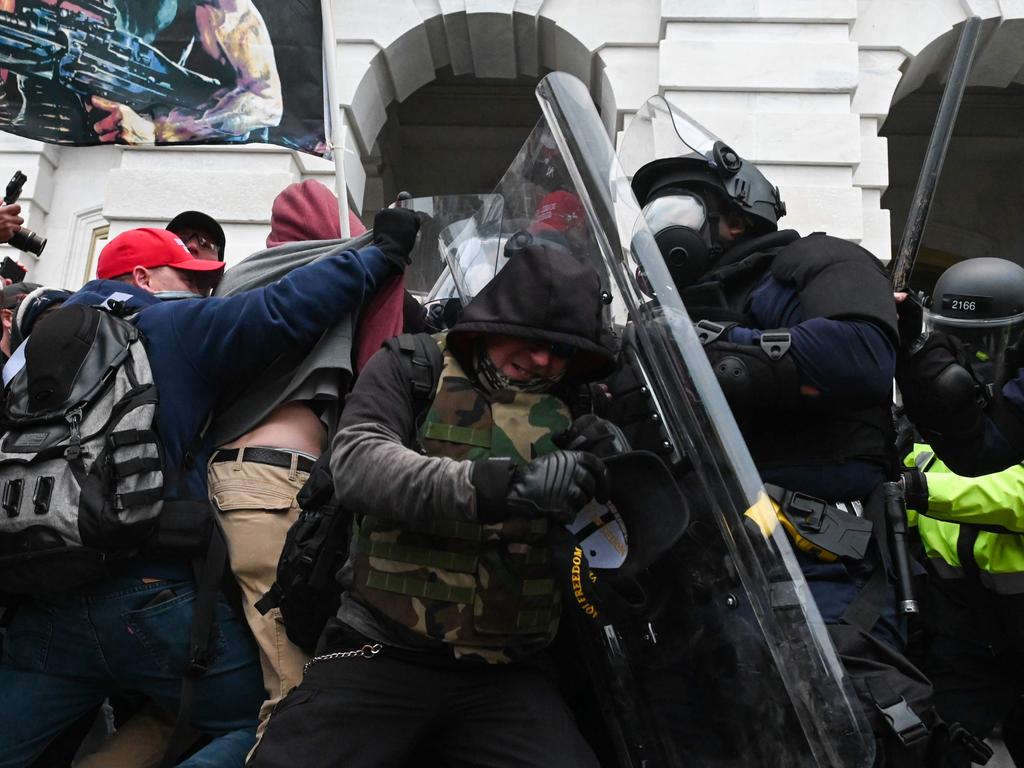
<point>385,58</point>
<point>976,207</point>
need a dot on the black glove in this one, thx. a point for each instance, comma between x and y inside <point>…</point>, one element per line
<point>557,485</point>
<point>910,322</point>
<point>940,390</point>
<point>394,232</point>
<point>595,435</point>
<point>915,489</point>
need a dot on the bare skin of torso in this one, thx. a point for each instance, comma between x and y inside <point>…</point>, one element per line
<point>291,426</point>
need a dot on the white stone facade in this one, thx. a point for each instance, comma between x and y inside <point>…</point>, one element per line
<point>799,86</point>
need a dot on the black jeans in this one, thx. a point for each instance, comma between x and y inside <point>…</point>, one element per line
<point>972,655</point>
<point>391,710</point>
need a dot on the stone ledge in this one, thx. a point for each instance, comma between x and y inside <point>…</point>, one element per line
<point>766,66</point>
<point>792,138</point>
<point>228,197</point>
<point>836,11</point>
<point>837,211</point>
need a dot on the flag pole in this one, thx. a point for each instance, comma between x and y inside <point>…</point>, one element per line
<point>337,126</point>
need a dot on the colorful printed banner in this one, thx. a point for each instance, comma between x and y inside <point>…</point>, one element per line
<point>87,72</point>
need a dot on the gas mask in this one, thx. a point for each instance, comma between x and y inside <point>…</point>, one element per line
<point>686,234</point>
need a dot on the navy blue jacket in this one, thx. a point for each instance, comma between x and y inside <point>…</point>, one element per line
<point>203,351</point>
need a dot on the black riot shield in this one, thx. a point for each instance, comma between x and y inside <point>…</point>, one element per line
<point>715,655</point>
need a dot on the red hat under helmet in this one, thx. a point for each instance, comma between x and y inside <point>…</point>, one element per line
<point>149,247</point>
<point>558,211</point>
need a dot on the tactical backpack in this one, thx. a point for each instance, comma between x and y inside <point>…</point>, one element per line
<point>81,467</point>
<point>306,589</point>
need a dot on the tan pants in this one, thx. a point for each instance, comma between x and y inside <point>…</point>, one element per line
<point>257,506</point>
<point>140,742</point>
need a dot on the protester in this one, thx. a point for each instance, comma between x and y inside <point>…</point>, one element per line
<point>410,663</point>
<point>255,474</point>
<point>136,634</point>
<point>12,296</point>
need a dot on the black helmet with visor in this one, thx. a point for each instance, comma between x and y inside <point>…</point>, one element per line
<point>686,178</point>
<point>980,301</point>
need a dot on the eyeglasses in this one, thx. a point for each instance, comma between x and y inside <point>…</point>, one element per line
<point>202,241</point>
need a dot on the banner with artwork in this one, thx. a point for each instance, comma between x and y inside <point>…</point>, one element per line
<point>84,72</point>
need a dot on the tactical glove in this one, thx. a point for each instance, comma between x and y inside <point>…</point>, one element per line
<point>910,323</point>
<point>557,486</point>
<point>595,435</point>
<point>394,233</point>
<point>940,391</point>
<point>915,489</point>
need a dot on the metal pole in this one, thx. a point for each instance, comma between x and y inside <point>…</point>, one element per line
<point>337,137</point>
<point>949,106</point>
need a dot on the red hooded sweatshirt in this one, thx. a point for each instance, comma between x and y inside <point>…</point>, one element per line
<point>309,211</point>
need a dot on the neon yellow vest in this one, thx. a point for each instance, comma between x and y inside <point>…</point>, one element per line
<point>992,500</point>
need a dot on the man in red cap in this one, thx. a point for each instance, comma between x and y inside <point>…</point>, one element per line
<point>157,261</point>
<point>130,631</point>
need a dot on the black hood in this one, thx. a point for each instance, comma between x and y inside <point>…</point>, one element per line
<point>545,293</point>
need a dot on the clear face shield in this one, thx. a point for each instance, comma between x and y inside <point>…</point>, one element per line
<point>985,339</point>
<point>660,130</point>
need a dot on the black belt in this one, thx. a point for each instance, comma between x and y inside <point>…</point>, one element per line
<point>275,457</point>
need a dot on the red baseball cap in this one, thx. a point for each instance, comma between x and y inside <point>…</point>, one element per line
<point>149,247</point>
<point>558,211</point>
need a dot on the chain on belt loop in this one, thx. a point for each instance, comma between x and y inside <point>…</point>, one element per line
<point>367,652</point>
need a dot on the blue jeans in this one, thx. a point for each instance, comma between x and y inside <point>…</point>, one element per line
<point>61,661</point>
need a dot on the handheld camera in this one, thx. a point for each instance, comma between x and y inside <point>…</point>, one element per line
<point>24,239</point>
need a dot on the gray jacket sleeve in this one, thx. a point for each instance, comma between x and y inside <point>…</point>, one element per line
<point>376,472</point>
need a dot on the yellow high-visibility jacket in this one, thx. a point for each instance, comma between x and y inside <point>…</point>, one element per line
<point>956,504</point>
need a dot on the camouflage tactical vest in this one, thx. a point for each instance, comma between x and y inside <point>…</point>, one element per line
<point>486,590</point>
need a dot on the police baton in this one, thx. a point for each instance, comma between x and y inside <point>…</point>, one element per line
<point>896,517</point>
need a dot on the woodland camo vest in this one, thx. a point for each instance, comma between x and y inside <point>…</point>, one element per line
<point>486,590</point>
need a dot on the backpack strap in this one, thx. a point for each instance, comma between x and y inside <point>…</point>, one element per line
<point>421,361</point>
<point>208,571</point>
<point>902,720</point>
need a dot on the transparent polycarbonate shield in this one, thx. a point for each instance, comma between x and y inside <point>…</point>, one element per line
<point>457,248</point>
<point>727,660</point>
<point>660,130</point>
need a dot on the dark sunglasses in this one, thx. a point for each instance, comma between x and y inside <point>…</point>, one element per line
<point>201,241</point>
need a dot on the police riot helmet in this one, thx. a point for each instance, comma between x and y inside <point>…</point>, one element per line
<point>719,168</point>
<point>980,301</point>
<point>685,179</point>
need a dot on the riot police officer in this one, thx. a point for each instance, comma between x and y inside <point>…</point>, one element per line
<point>801,335</point>
<point>961,382</point>
<point>971,529</point>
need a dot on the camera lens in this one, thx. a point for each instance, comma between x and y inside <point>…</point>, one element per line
<point>28,241</point>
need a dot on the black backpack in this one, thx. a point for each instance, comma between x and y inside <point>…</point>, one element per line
<point>306,590</point>
<point>82,476</point>
<point>81,465</point>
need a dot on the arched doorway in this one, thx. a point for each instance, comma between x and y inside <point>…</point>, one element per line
<point>441,100</point>
<point>455,135</point>
<point>978,202</point>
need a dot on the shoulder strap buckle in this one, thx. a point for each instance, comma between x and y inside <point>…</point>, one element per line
<point>775,343</point>
<point>905,723</point>
<point>709,331</point>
